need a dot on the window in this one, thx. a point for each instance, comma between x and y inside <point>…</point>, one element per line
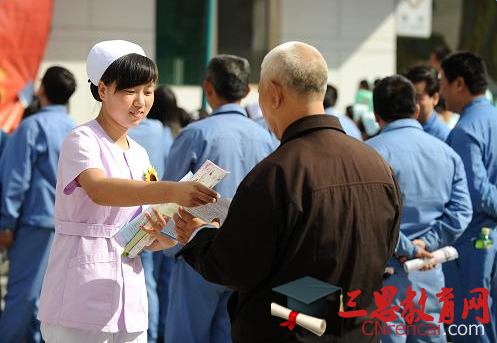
<point>242,29</point>
<point>180,41</point>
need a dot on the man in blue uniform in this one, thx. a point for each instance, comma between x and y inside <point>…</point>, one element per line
<point>3,141</point>
<point>198,309</point>
<point>436,203</point>
<point>330,99</point>
<point>157,140</point>
<point>474,138</point>
<point>28,174</point>
<point>425,80</point>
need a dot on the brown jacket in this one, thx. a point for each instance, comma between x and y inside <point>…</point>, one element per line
<point>322,205</point>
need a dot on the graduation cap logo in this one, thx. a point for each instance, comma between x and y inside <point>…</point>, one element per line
<point>306,299</point>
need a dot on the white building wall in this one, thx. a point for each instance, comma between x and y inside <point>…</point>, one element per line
<point>78,24</point>
<point>357,38</point>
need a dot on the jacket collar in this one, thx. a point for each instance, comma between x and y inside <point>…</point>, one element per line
<point>311,123</point>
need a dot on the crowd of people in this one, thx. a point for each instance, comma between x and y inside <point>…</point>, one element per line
<point>346,197</point>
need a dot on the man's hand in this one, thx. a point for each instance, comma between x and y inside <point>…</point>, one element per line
<point>161,241</point>
<point>6,239</point>
<point>419,243</point>
<point>186,224</point>
<point>423,253</point>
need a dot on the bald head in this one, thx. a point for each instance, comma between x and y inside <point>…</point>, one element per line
<point>297,66</point>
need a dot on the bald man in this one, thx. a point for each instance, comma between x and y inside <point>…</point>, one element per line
<point>322,205</point>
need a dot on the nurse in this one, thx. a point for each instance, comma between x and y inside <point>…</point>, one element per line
<point>90,292</point>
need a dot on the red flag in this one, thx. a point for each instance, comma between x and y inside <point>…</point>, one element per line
<point>24,28</point>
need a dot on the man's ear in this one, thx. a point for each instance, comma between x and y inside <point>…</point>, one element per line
<point>418,109</point>
<point>41,91</point>
<point>460,85</point>
<point>377,118</point>
<point>436,98</point>
<point>380,121</point>
<point>208,88</point>
<point>275,93</point>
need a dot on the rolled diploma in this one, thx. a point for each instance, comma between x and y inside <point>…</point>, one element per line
<point>442,255</point>
<point>315,325</point>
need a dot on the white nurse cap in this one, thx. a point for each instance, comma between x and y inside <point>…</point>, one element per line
<point>104,53</point>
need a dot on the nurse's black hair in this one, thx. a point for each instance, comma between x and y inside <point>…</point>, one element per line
<point>127,71</point>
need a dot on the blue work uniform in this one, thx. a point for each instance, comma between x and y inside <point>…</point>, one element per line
<point>3,141</point>
<point>197,310</point>
<point>157,140</point>
<point>28,176</point>
<point>474,138</point>
<point>348,124</point>
<point>436,209</point>
<point>262,122</point>
<point>435,127</point>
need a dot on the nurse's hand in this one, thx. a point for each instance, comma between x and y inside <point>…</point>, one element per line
<point>192,194</point>
<point>155,224</point>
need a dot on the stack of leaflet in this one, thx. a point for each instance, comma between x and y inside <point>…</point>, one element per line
<point>209,175</point>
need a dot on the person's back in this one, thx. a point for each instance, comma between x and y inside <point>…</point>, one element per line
<point>317,173</point>
<point>236,143</point>
<point>463,85</point>
<point>323,205</point>
<point>156,139</point>
<point>46,131</point>
<point>436,206</point>
<point>28,175</point>
<point>38,139</point>
<point>3,141</point>
<point>230,140</point>
<point>427,188</point>
<point>479,122</point>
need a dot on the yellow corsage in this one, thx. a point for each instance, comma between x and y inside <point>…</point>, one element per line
<point>151,174</point>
